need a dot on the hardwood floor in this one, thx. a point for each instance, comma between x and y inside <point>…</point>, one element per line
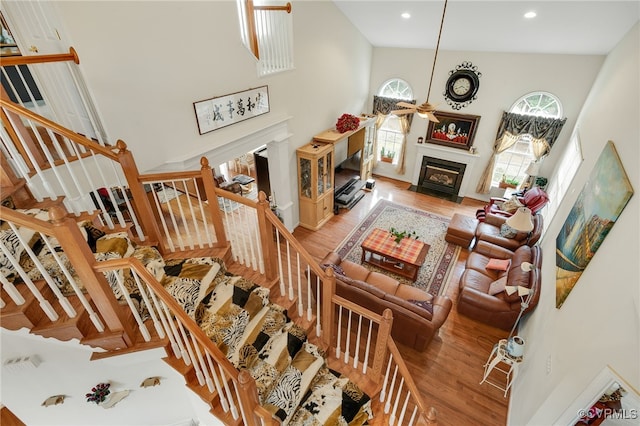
<point>448,373</point>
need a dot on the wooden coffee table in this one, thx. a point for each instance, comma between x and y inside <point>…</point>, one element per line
<point>405,259</point>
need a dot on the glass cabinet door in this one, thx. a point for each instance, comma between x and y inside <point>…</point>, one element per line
<point>327,181</point>
<point>321,172</point>
<point>305,177</point>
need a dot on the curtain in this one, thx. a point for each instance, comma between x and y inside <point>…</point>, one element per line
<point>404,126</point>
<point>543,130</point>
<point>382,107</point>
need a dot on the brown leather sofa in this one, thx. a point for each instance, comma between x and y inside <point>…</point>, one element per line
<point>417,315</point>
<point>489,231</point>
<point>500,310</point>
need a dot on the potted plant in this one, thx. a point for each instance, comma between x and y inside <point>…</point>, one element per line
<point>398,236</point>
<point>508,182</point>
<point>541,182</point>
<point>386,156</point>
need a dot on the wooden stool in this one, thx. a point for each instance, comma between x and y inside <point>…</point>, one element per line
<point>461,230</point>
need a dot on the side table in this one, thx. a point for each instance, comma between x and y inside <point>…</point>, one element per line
<point>500,361</point>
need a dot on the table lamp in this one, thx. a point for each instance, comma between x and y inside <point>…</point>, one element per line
<point>532,171</point>
<point>521,220</point>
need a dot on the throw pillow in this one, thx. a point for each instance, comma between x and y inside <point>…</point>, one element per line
<point>117,242</point>
<point>507,231</point>
<point>337,269</point>
<point>511,205</point>
<point>498,286</point>
<point>424,304</point>
<point>499,264</point>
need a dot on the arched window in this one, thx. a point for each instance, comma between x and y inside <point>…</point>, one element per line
<point>512,163</point>
<point>396,88</point>
<point>389,134</point>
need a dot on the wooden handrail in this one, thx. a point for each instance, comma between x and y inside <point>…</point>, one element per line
<point>41,59</point>
<point>286,8</point>
<point>174,307</point>
<point>358,309</point>
<point>313,264</point>
<point>246,398</point>
<point>163,176</point>
<point>22,219</point>
<point>408,378</point>
<point>6,103</point>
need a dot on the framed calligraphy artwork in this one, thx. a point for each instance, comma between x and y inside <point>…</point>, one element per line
<point>216,113</point>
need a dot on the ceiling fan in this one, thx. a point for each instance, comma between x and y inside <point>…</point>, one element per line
<point>426,109</point>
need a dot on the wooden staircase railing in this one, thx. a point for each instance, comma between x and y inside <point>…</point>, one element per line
<point>241,231</point>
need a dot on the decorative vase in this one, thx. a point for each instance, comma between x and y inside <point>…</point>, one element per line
<point>515,346</point>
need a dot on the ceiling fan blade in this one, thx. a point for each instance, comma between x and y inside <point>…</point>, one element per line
<point>403,111</point>
<point>432,117</point>
<point>406,105</point>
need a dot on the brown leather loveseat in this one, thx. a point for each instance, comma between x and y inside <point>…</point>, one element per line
<point>500,309</point>
<point>417,315</point>
<point>491,230</point>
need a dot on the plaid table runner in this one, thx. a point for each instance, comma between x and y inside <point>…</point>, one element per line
<point>383,242</point>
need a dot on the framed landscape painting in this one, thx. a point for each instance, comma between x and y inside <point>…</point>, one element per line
<point>603,197</point>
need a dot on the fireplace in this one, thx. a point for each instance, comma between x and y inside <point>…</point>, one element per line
<point>441,175</point>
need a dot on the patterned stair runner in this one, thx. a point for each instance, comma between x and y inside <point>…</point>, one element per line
<point>291,375</point>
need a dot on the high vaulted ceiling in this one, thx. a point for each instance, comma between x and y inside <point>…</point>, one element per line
<point>562,27</point>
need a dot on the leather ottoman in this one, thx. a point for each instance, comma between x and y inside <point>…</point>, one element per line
<point>461,230</point>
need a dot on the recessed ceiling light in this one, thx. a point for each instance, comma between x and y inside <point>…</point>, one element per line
<point>406,15</point>
<point>530,15</point>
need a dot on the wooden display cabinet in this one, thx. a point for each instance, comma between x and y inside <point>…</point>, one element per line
<point>366,160</point>
<point>315,184</point>
<point>349,143</point>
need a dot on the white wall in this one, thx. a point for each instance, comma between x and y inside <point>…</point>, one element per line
<point>147,62</point>
<point>505,78</point>
<point>599,324</point>
<point>66,369</point>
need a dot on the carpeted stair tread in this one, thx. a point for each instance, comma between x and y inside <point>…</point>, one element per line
<point>291,374</point>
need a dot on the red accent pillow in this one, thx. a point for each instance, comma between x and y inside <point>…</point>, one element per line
<point>499,264</point>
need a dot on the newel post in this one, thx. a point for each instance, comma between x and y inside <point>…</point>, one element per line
<point>269,248</point>
<point>431,417</point>
<point>328,313</point>
<point>79,254</point>
<point>141,203</point>
<point>248,395</point>
<point>214,208</point>
<point>384,331</point>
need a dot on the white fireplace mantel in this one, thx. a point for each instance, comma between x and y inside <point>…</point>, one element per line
<point>450,154</point>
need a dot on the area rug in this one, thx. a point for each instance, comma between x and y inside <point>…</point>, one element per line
<point>167,194</point>
<point>431,228</point>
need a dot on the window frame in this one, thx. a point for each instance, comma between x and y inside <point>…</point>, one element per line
<point>385,129</point>
<point>520,175</point>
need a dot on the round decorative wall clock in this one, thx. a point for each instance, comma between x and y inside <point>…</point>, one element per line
<point>462,86</point>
